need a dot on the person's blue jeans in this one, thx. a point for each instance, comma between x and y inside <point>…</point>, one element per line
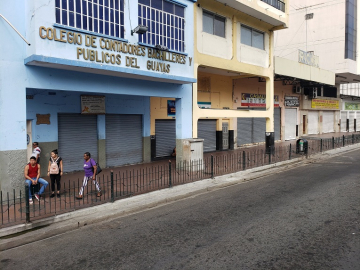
<point>43,182</point>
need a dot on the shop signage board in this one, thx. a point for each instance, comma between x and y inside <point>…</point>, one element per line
<point>324,104</point>
<point>171,111</point>
<point>114,52</point>
<point>352,106</point>
<point>256,100</point>
<point>92,104</point>
<point>308,58</point>
<point>291,101</point>
<point>204,105</point>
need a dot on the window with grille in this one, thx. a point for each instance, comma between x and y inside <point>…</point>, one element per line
<point>165,21</point>
<point>99,16</point>
<point>252,37</point>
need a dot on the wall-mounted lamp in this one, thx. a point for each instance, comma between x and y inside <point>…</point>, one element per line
<point>140,30</point>
<point>161,47</point>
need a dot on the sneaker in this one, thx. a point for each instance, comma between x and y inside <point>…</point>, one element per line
<point>52,195</point>
<point>58,195</point>
<point>79,197</point>
<point>37,196</point>
<point>30,201</point>
<point>98,194</point>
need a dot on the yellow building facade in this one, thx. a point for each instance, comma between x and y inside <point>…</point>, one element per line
<point>234,41</point>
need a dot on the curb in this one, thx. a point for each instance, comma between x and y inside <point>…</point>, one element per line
<point>48,227</point>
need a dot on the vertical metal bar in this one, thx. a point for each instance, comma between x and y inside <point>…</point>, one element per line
<point>244,160</point>
<point>26,202</point>
<point>170,180</point>
<point>343,140</point>
<point>112,185</point>
<point>321,145</point>
<point>290,151</point>
<point>70,194</point>
<point>14,205</point>
<point>212,166</point>
<point>8,205</point>
<point>20,205</point>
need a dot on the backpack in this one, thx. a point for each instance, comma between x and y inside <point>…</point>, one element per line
<point>54,167</point>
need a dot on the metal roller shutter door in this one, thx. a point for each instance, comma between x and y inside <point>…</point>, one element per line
<point>343,116</point>
<point>244,131</point>
<point>351,121</point>
<point>207,131</point>
<point>313,121</point>
<point>328,122</point>
<point>123,139</point>
<point>277,123</point>
<point>165,131</point>
<point>259,130</point>
<point>77,135</point>
<point>290,124</point>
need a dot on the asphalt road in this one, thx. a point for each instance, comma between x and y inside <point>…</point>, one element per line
<point>304,218</point>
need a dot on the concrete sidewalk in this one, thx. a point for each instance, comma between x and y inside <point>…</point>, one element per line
<point>25,233</point>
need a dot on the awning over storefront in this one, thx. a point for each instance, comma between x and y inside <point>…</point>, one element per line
<point>302,72</point>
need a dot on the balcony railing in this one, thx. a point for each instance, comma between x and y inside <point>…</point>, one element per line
<point>276,4</point>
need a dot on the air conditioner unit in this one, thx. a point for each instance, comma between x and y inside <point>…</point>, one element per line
<point>313,94</point>
<point>298,90</point>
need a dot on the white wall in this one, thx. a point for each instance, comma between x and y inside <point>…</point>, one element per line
<point>324,34</point>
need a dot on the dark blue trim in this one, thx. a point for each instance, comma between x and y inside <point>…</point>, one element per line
<point>176,3</point>
<point>152,46</point>
<point>91,65</point>
<point>88,32</point>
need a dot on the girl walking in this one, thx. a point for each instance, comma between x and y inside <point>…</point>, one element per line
<point>55,170</point>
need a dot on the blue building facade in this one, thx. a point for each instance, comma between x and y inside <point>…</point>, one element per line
<point>85,82</point>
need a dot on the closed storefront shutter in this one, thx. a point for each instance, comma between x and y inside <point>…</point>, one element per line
<point>290,124</point>
<point>328,122</point>
<point>343,116</point>
<point>351,121</point>
<point>313,122</point>
<point>259,130</point>
<point>123,139</point>
<point>165,132</point>
<point>244,131</point>
<point>207,131</point>
<point>77,135</point>
<point>277,123</point>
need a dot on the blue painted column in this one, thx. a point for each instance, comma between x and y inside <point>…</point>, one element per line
<point>12,97</point>
<point>184,125</point>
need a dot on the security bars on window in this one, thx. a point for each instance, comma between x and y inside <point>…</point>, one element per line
<point>99,16</point>
<point>166,27</point>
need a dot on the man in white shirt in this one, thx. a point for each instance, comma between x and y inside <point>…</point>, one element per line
<point>36,152</point>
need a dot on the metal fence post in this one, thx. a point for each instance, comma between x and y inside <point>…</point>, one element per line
<point>212,166</point>
<point>27,202</point>
<point>269,158</point>
<point>321,145</point>
<point>112,185</point>
<point>244,160</point>
<point>333,142</point>
<point>352,138</point>
<point>290,151</point>
<point>343,140</point>
<point>170,182</point>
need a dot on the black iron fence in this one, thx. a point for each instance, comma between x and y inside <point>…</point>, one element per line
<point>280,5</point>
<point>121,183</point>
